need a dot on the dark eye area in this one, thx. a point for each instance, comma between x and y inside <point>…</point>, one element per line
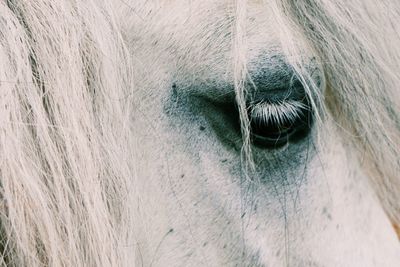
<point>274,124</point>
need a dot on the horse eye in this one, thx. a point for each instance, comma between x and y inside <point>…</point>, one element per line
<point>275,124</point>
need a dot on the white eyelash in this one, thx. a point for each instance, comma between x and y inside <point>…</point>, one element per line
<point>279,112</point>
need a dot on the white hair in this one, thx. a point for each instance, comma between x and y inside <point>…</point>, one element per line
<point>65,85</point>
<point>65,79</point>
<point>357,44</point>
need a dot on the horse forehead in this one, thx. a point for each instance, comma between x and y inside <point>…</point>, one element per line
<point>198,35</point>
<point>201,20</point>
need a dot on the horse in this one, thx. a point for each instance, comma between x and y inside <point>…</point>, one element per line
<point>199,133</point>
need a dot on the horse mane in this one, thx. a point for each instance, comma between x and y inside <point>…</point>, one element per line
<point>67,165</point>
<point>65,173</point>
<point>357,44</point>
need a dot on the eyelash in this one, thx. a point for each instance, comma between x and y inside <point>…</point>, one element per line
<point>274,124</point>
<point>278,113</point>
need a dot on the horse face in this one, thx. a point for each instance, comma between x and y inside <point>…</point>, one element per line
<point>306,202</point>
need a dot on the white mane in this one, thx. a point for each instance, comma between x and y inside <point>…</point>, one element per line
<point>65,86</point>
<point>67,167</point>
